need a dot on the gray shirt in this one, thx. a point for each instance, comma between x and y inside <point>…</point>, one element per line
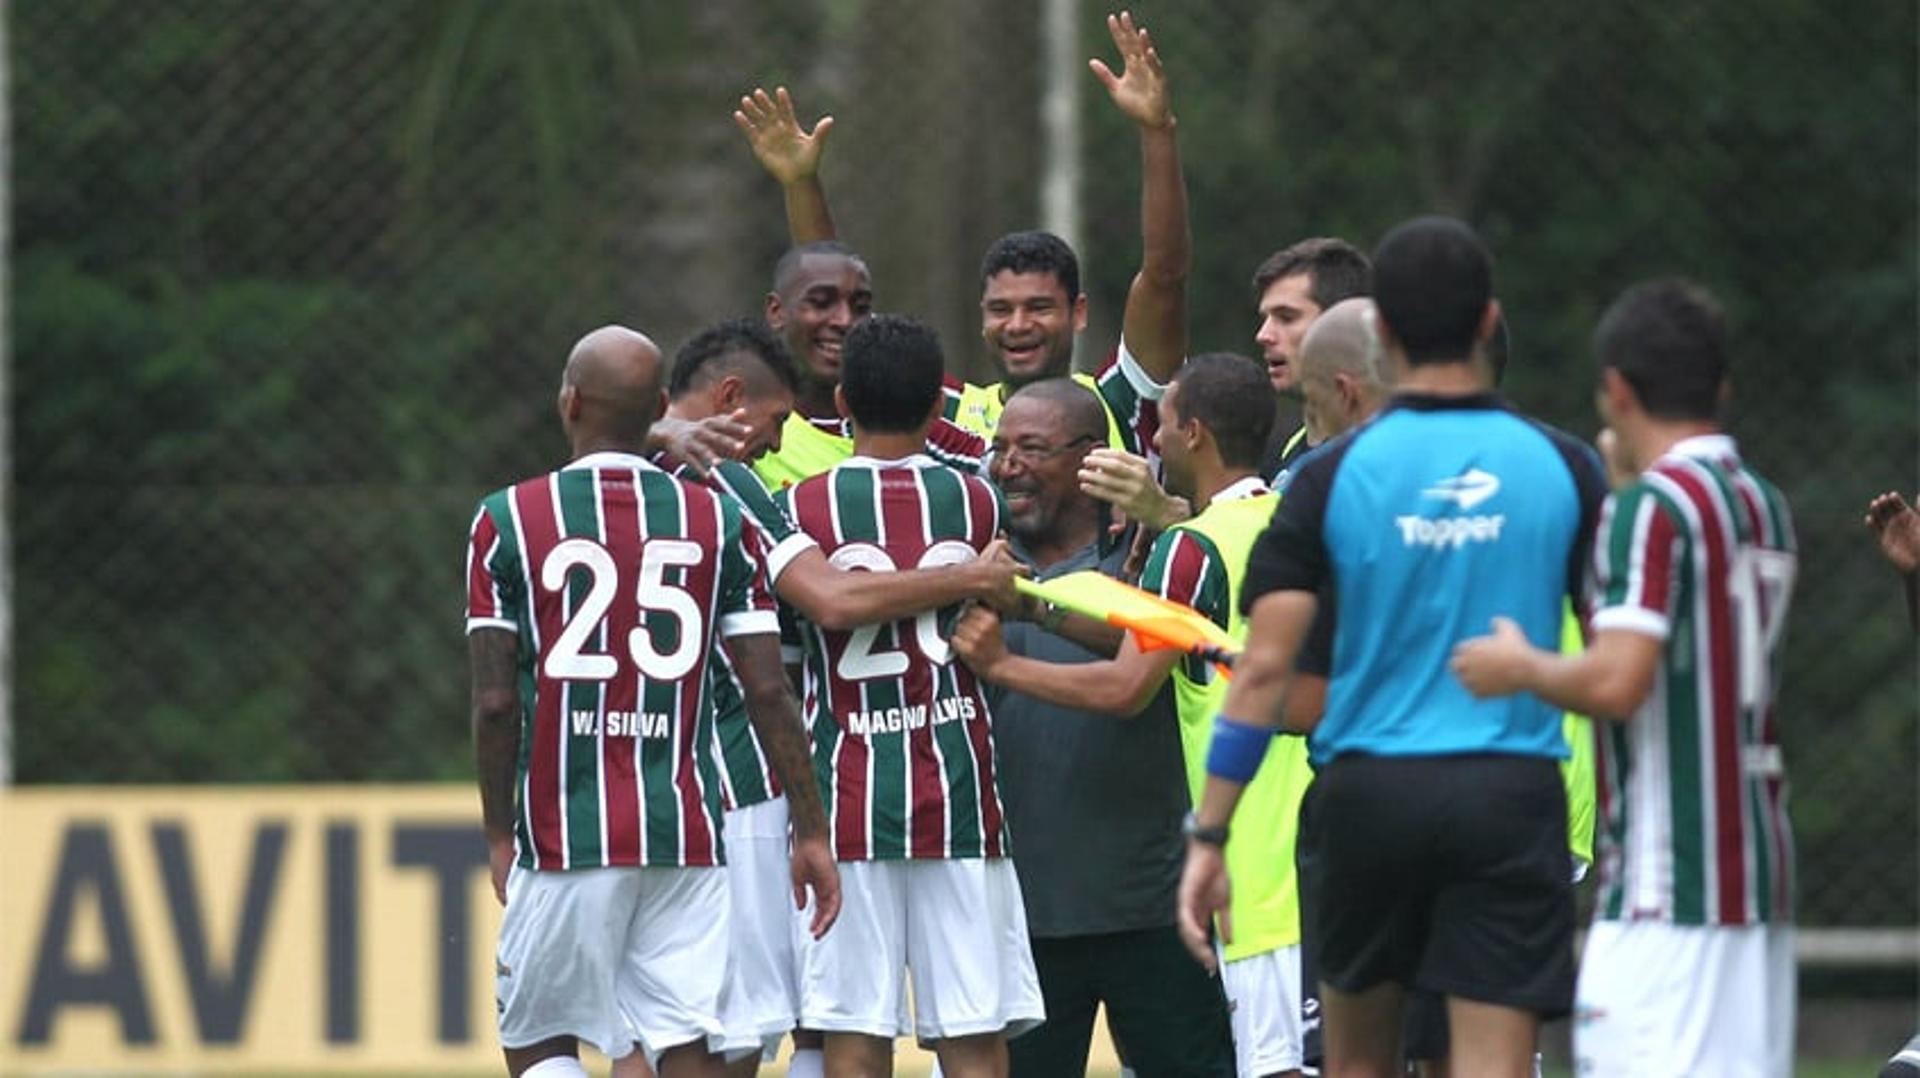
<point>1094,802</point>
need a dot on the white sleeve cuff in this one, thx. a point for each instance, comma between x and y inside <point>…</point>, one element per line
<point>785,551</point>
<point>1137,376</point>
<point>1634,619</point>
<point>749,622</point>
<point>492,623</point>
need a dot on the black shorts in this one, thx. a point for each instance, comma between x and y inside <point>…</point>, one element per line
<point>1446,873</point>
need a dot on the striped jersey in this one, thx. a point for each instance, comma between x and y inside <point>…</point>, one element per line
<point>809,447</point>
<point>1200,563</point>
<point>902,740</point>
<point>618,580</point>
<point>1699,553</point>
<point>746,775</point>
<point>1125,389</point>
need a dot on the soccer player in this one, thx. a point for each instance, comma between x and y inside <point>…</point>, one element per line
<point>741,368</point>
<point>1689,964</point>
<point>903,747</point>
<point>820,291</point>
<point>1215,417</point>
<point>1094,806</point>
<point>1433,849</point>
<point>1031,306</point>
<point>1291,289</point>
<point>596,597</point>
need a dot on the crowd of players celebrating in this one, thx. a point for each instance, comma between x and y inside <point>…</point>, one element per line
<point>771,745</point>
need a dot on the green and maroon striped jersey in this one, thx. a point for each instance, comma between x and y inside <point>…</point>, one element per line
<point>1699,553</point>
<point>746,775</point>
<point>619,580</point>
<point>902,740</point>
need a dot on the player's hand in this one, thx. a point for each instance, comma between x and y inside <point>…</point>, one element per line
<point>1204,892</point>
<point>1126,482</point>
<point>1896,524</point>
<point>1495,665</point>
<point>500,863</point>
<point>814,870</point>
<point>1140,90</point>
<point>790,153</point>
<point>1136,562</point>
<point>998,569</point>
<point>704,443</point>
<point>1620,473</point>
<point>976,639</point>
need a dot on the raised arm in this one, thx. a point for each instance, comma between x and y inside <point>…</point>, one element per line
<point>492,654</point>
<point>1155,326</point>
<point>791,155</point>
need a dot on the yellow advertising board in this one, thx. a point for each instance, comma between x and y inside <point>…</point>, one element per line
<point>245,929</point>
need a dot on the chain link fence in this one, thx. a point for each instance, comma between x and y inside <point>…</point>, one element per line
<point>292,283</point>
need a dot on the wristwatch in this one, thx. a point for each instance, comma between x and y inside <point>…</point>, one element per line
<point>1212,836</point>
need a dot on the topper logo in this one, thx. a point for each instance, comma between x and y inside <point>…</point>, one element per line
<point>1465,490</point>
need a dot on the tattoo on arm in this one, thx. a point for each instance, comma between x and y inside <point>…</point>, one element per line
<point>494,655</point>
<point>775,716</point>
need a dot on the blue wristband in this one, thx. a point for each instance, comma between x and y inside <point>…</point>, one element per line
<point>1236,750</point>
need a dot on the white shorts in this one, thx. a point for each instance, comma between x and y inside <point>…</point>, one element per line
<point>959,927</point>
<point>612,956</point>
<point>761,1000</point>
<point>1263,997</point>
<point>1660,999</point>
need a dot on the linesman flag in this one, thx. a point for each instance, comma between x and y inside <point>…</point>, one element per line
<point>1155,622</point>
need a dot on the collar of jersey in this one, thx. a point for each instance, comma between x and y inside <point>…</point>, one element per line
<point>608,458</point>
<point>916,460</point>
<point>1438,402</point>
<point>1704,447</point>
<point>1247,486</point>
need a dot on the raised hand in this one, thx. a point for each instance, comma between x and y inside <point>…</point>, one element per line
<point>790,153</point>
<point>1896,525</point>
<point>1140,90</point>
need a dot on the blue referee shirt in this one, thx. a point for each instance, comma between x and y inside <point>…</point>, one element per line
<point>1427,522</point>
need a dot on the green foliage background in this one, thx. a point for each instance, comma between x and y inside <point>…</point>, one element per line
<point>291,284</point>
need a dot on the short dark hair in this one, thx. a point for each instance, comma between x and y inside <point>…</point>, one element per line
<point>1432,280</point>
<point>1668,339</point>
<point>1033,252</point>
<point>891,369</point>
<point>1335,267</point>
<point>1231,395</point>
<point>789,263</point>
<point>728,347</point>
<point>1085,416</point>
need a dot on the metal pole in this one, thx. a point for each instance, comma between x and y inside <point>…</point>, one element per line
<point>1064,72</point>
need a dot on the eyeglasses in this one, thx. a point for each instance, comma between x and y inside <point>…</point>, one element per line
<point>1029,455</point>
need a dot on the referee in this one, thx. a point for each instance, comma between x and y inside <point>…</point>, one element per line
<point>1433,851</point>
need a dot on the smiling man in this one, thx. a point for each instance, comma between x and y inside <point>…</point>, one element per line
<point>1031,306</point>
